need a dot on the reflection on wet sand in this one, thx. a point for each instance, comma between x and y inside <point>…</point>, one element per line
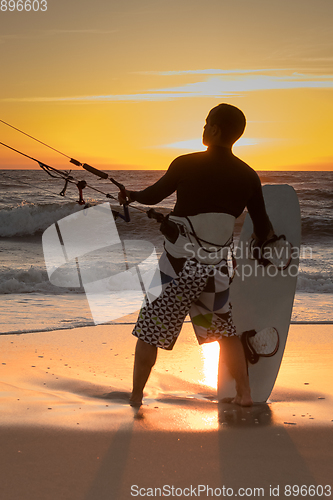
<point>66,419</point>
<point>238,416</point>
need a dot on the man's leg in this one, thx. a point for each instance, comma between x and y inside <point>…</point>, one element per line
<point>234,357</point>
<point>145,358</point>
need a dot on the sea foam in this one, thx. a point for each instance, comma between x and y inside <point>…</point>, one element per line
<point>28,218</point>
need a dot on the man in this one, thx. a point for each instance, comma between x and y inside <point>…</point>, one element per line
<point>213,188</point>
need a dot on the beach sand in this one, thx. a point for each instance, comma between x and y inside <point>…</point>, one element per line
<point>67,431</point>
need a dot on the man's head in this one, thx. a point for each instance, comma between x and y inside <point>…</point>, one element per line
<point>224,125</point>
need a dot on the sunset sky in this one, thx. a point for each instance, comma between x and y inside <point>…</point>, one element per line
<point>129,84</point>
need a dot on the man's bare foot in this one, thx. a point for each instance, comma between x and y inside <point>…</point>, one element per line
<point>243,400</point>
<point>136,400</point>
<point>135,404</point>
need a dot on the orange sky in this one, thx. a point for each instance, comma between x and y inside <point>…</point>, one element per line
<point>129,85</point>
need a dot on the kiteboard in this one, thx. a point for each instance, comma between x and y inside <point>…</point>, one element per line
<point>262,293</point>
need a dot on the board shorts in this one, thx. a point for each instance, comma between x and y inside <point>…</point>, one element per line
<point>188,287</point>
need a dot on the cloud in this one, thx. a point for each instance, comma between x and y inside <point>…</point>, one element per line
<point>205,72</point>
<point>82,31</point>
<point>233,83</point>
<point>125,97</point>
<point>54,32</point>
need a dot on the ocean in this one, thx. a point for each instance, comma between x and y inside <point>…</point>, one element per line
<point>30,203</point>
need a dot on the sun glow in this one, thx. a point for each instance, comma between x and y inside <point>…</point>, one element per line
<point>125,96</point>
<point>210,358</point>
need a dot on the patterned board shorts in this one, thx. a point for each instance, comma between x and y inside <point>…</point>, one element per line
<point>188,287</point>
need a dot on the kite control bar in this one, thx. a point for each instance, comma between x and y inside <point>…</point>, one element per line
<point>123,192</point>
<point>93,170</point>
<point>121,187</point>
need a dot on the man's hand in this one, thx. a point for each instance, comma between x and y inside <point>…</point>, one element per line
<point>269,235</point>
<point>122,200</point>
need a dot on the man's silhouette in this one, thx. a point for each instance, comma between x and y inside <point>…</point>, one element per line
<point>213,188</point>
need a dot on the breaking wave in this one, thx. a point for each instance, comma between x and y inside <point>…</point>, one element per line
<point>29,219</point>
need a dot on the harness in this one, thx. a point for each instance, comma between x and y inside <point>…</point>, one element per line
<point>182,239</point>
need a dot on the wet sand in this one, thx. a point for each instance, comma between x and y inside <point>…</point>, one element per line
<point>67,431</point>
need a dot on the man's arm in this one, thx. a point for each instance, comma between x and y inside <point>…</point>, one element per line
<point>262,226</point>
<point>163,188</point>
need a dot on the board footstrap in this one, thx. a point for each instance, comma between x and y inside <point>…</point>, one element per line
<point>277,251</point>
<point>264,343</point>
